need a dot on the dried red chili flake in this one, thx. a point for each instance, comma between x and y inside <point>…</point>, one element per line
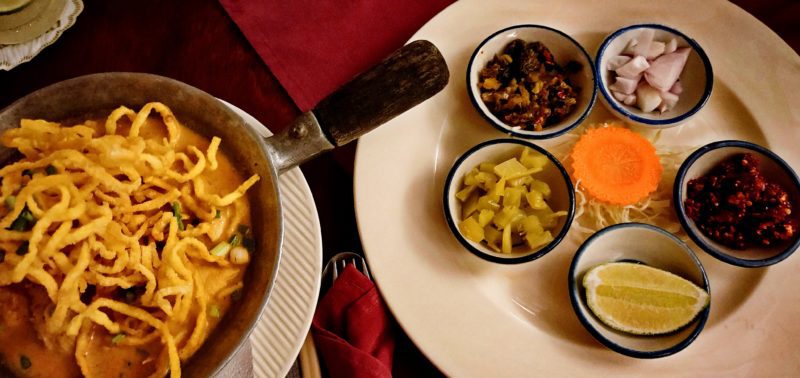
<point>736,206</point>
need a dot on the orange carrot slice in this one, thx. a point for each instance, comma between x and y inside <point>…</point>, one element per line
<point>616,165</point>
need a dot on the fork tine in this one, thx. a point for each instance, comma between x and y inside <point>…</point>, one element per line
<point>335,272</point>
<point>365,268</point>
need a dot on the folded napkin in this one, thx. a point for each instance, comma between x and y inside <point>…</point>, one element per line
<point>315,46</point>
<point>352,330</point>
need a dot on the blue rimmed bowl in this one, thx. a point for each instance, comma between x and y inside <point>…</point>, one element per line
<point>697,78</point>
<point>645,244</point>
<point>564,49</point>
<point>499,150</point>
<point>774,169</point>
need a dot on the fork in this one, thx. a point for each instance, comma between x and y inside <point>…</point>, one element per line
<point>308,360</point>
<point>340,261</point>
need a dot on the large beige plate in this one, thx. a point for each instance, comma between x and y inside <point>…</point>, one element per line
<point>475,318</point>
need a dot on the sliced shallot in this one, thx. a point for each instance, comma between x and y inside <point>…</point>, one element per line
<point>677,88</point>
<point>647,97</point>
<point>665,70</point>
<point>656,49</point>
<point>624,85</point>
<point>634,67</point>
<point>617,62</point>
<point>645,39</point>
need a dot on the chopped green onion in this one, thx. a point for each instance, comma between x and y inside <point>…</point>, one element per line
<point>10,202</point>
<point>24,221</point>
<point>18,224</point>
<point>50,170</point>
<point>235,240</point>
<point>24,361</point>
<point>213,310</point>
<point>218,214</point>
<point>27,172</point>
<point>243,229</point>
<point>27,215</point>
<point>22,250</point>
<point>221,249</point>
<point>117,338</point>
<point>176,210</point>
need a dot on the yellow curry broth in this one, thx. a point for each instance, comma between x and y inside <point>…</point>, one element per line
<point>99,355</point>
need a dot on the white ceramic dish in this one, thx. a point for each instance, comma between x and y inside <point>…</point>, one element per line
<point>497,151</point>
<point>697,78</point>
<point>475,318</point>
<point>14,55</point>
<point>564,49</point>
<point>774,169</point>
<point>655,248</point>
<point>284,324</point>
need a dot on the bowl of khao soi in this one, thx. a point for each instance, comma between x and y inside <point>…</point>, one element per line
<point>130,244</point>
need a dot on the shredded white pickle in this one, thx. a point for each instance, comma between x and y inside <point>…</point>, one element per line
<point>592,215</point>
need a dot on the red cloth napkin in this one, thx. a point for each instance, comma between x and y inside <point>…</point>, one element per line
<point>352,329</point>
<point>315,46</point>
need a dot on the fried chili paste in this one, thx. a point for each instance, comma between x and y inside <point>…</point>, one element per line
<point>736,206</point>
<point>525,87</point>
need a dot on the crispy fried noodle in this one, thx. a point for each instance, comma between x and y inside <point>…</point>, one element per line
<point>116,222</point>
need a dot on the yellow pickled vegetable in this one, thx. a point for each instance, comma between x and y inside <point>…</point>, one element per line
<point>535,200</point>
<point>505,205</point>
<point>541,187</point>
<point>509,168</point>
<point>492,236</point>
<point>506,216</point>
<point>463,194</point>
<point>532,225</point>
<point>507,246</point>
<point>489,202</point>
<point>513,197</point>
<point>486,180</point>
<point>470,205</point>
<point>538,240</point>
<point>487,167</point>
<point>471,177</point>
<point>484,217</point>
<point>471,229</point>
<point>532,159</point>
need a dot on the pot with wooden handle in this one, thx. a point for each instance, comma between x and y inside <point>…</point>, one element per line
<point>409,76</point>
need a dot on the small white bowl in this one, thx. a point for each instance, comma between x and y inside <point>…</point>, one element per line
<point>649,245</point>
<point>774,169</point>
<point>499,150</point>
<point>564,49</point>
<point>697,78</point>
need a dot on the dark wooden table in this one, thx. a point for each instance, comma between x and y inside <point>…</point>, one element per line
<point>195,41</point>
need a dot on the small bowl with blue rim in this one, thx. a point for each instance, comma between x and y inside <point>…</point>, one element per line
<point>691,91</point>
<point>572,61</point>
<point>561,198</point>
<point>774,170</point>
<point>643,244</point>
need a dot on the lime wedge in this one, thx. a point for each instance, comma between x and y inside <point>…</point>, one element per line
<point>642,300</point>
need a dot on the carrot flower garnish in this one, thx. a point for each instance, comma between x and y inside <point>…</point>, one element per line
<point>616,165</point>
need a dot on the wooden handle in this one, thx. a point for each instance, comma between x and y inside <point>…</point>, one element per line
<point>406,78</point>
